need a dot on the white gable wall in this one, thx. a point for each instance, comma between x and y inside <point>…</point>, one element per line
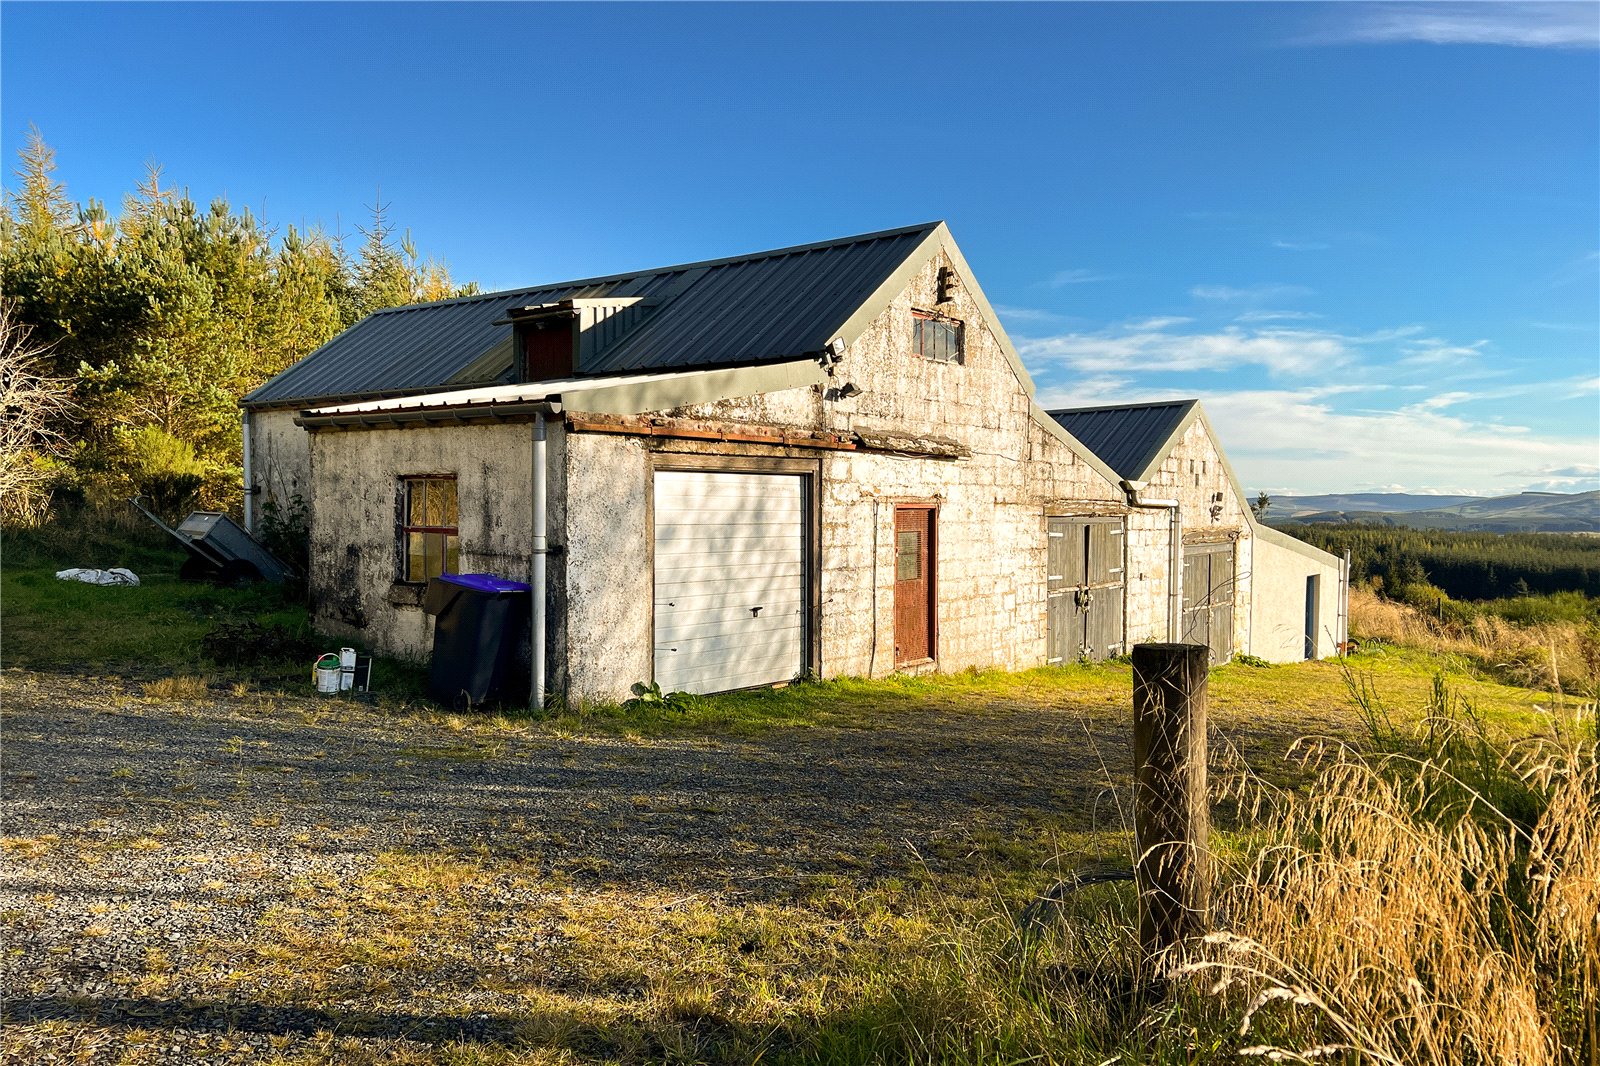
<point>1194,474</point>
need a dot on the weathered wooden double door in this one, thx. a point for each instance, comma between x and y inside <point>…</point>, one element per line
<point>1085,588</point>
<point>1208,597</point>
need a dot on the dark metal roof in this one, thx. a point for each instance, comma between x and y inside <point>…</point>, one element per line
<point>1128,437</point>
<point>758,308</point>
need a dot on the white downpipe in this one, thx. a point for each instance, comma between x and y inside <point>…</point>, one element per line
<point>249,484</point>
<point>1175,562</point>
<point>540,551</point>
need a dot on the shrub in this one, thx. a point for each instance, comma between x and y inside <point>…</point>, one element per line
<point>285,531</point>
<point>160,467</point>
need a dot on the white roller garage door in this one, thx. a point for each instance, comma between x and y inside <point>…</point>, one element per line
<point>730,580</point>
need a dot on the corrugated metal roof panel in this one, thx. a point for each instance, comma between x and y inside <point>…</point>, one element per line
<point>764,307</point>
<point>1127,437</point>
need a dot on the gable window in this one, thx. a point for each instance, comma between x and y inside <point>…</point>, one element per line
<point>936,337</point>
<point>429,540</point>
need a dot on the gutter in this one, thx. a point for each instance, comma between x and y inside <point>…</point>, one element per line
<point>1175,562</point>
<point>430,415</point>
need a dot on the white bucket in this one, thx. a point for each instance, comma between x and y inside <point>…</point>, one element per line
<point>347,669</point>
<point>327,677</point>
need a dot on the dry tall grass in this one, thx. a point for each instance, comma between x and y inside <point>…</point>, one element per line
<point>1552,655</point>
<point>1433,906</point>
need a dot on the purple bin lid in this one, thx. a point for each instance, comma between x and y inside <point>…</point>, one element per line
<point>486,583</point>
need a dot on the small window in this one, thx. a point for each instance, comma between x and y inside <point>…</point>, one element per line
<point>429,540</point>
<point>936,338</point>
<point>907,555</point>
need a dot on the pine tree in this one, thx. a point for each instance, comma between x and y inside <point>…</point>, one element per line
<point>43,212</point>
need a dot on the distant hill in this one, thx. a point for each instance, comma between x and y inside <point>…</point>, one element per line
<point>1526,512</point>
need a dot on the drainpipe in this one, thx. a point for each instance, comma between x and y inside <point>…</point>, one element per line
<point>1175,563</point>
<point>540,549</point>
<point>249,484</point>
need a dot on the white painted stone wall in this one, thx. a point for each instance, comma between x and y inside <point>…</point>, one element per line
<point>280,459</point>
<point>355,561</point>
<point>990,531</point>
<point>1194,475</point>
<point>1277,618</point>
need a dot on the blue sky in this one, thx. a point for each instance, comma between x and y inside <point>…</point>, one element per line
<point>1367,235</point>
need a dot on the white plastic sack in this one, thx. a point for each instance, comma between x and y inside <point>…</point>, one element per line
<point>115,576</point>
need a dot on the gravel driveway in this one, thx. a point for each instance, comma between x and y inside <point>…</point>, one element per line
<point>139,830</point>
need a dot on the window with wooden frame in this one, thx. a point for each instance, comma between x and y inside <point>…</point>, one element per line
<point>430,543</point>
<point>936,337</point>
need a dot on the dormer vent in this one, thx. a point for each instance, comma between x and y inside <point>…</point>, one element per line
<point>558,340</point>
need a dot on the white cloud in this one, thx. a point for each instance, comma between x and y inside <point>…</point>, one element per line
<point>1565,327</point>
<point>1078,277</point>
<point>1090,392</point>
<point>1432,351</point>
<point>1148,346</point>
<point>1251,293</point>
<point>1158,322</point>
<point>1302,246</point>
<point>1524,25</point>
<point>1297,438</point>
<point>1440,402</point>
<point>1271,316</point>
<point>1027,314</point>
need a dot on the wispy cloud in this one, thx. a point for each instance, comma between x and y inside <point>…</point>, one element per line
<point>1029,314</point>
<point>1249,293</point>
<point>1078,277</point>
<point>1565,327</point>
<point>1580,269</point>
<point>1522,25</point>
<point>1431,351</point>
<point>1274,316</point>
<point>1299,438</point>
<point>1302,246</point>
<point>1152,346</point>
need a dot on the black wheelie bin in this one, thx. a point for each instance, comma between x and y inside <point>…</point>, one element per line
<point>479,621</point>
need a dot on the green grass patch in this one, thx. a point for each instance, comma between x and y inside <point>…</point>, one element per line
<point>1308,696</point>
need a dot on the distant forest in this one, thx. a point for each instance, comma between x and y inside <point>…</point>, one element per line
<point>130,335</point>
<point>1467,566</point>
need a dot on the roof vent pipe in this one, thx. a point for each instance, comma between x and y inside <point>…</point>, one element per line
<point>1175,559</point>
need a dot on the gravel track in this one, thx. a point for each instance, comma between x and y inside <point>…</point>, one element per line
<point>135,825</point>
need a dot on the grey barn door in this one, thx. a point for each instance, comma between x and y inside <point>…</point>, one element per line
<point>1208,598</point>
<point>1085,589</point>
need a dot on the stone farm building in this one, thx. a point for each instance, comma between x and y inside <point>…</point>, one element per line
<point>817,460</point>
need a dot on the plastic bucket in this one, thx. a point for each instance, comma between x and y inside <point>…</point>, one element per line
<point>326,672</point>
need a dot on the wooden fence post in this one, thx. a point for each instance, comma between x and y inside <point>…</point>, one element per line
<point>1172,819</point>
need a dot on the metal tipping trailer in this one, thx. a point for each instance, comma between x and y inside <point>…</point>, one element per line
<point>219,549</point>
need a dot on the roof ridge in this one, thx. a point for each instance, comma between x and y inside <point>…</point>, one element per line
<point>748,257</point>
<point>1120,406</point>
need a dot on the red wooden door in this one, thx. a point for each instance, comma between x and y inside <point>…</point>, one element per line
<point>913,584</point>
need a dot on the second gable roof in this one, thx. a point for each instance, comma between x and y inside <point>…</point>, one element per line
<point>1131,438</point>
